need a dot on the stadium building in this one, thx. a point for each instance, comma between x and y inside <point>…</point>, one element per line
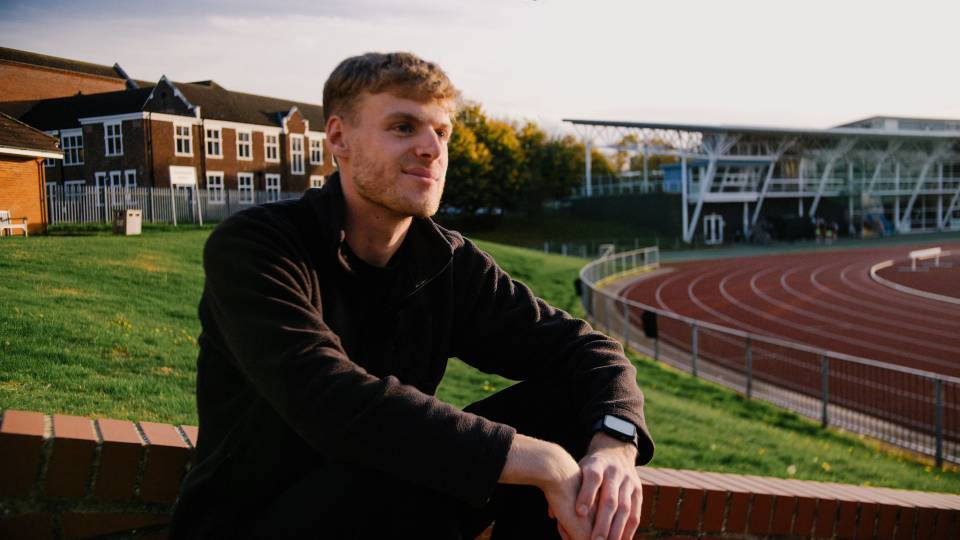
<point>876,176</point>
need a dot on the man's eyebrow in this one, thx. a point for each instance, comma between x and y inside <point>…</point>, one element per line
<point>408,117</point>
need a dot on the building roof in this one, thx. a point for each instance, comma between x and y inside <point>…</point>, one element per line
<point>63,113</point>
<point>218,103</point>
<point>20,139</point>
<point>43,60</point>
<point>779,131</point>
<point>215,102</point>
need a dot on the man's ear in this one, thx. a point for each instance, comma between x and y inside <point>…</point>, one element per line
<point>335,137</point>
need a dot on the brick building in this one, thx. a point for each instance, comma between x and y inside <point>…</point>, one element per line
<point>183,134</point>
<point>22,153</point>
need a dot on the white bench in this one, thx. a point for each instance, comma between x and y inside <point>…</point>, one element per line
<point>7,223</point>
<point>921,254</point>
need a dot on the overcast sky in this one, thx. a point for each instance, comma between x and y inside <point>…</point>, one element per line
<point>808,63</point>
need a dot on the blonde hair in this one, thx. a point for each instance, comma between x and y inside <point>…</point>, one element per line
<point>403,74</point>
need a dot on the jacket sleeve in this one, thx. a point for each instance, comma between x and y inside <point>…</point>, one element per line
<point>261,299</point>
<point>503,328</point>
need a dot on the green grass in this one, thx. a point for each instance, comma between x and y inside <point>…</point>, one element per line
<point>105,326</point>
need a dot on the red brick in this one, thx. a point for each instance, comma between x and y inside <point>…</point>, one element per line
<point>71,458</point>
<point>737,515</point>
<point>803,523</point>
<point>886,521</point>
<point>21,441</point>
<point>713,515</point>
<point>926,521</point>
<point>946,525</point>
<point>691,509</point>
<point>760,512</point>
<point>847,524</point>
<point>86,525</point>
<point>27,526</point>
<point>646,511</point>
<point>119,460</point>
<point>906,524</point>
<point>867,521</point>
<point>166,462</point>
<point>667,498</point>
<point>784,508</point>
<point>826,518</point>
<point>191,432</point>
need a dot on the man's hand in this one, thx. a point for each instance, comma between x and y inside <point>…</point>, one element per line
<point>611,493</point>
<point>549,467</point>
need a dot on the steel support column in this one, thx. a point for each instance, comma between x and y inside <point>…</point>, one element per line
<point>950,208</point>
<point>936,154</point>
<point>832,157</point>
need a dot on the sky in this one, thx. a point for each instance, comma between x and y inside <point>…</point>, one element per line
<point>806,63</point>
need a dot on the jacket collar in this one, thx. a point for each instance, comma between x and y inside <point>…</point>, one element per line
<point>424,255</point>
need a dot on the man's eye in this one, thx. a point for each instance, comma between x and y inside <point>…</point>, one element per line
<point>403,128</point>
<point>443,133</point>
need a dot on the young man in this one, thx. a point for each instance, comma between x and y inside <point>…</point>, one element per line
<point>327,325</point>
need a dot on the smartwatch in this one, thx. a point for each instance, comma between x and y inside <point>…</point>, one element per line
<point>617,428</point>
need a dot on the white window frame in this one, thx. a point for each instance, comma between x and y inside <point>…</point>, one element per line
<point>296,154</point>
<point>50,162</point>
<point>248,145</point>
<point>272,182</point>
<point>116,137</point>
<point>72,153</point>
<point>215,187</point>
<point>316,151</point>
<point>130,178</point>
<point>73,189</point>
<point>271,151</point>
<point>317,180</point>
<point>245,192</point>
<point>187,140</point>
<point>210,140</point>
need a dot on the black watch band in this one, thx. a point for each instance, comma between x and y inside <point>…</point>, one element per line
<point>617,428</point>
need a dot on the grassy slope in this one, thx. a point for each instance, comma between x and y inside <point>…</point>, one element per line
<point>106,326</point>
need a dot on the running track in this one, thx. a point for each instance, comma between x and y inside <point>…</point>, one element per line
<point>825,299</point>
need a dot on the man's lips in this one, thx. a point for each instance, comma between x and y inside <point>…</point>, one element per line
<point>421,172</point>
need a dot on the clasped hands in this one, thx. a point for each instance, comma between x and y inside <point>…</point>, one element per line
<point>598,498</point>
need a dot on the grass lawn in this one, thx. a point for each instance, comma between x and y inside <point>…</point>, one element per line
<point>106,326</point>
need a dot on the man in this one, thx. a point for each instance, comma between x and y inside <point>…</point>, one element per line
<point>327,325</point>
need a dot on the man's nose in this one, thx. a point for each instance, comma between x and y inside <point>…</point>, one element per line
<point>429,145</point>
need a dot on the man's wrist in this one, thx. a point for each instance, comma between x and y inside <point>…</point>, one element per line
<point>601,442</point>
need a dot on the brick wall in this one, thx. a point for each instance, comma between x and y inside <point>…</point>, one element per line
<point>22,82</point>
<point>70,477</point>
<point>21,190</point>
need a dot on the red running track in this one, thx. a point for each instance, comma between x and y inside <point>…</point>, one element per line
<point>822,299</point>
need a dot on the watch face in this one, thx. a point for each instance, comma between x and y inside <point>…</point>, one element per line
<point>620,425</point>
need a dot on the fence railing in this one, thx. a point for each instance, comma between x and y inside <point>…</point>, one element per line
<point>910,408</point>
<point>92,204</point>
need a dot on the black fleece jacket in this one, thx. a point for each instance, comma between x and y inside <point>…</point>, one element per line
<point>308,354</point>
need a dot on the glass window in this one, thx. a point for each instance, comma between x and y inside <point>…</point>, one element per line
<point>245,187</point>
<point>273,187</point>
<point>296,154</point>
<point>213,142</point>
<point>214,187</point>
<point>316,181</point>
<point>243,145</point>
<point>271,147</point>
<point>183,138</point>
<point>113,139</point>
<point>72,145</point>
<point>316,151</point>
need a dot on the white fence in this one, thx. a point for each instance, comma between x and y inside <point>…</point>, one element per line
<point>180,204</point>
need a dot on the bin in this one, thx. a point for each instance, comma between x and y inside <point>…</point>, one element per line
<point>127,222</point>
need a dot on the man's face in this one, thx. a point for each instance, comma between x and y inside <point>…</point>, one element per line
<point>396,153</point>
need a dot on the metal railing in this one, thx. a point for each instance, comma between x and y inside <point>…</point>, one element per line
<point>91,204</point>
<point>909,408</point>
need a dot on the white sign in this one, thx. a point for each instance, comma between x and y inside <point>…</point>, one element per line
<point>183,176</point>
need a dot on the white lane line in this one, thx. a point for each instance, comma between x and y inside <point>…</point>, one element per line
<point>794,310</point>
<point>835,337</point>
<point>908,290</point>
<point>857,314</point>
<point>914,304</point>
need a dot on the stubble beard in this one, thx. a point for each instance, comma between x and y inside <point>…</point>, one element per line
<point>376,184</point>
